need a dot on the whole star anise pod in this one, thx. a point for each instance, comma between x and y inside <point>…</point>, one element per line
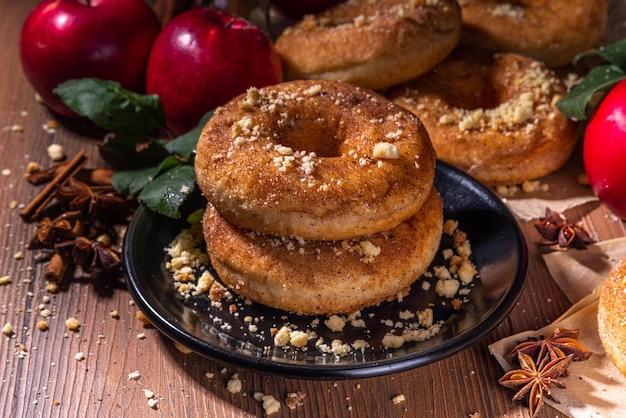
<point>90,255</point>
<point>556,229</point>
<point>50,231</point>
<point>534,381</point>
<point>96,203</point>
<point>561,343</point>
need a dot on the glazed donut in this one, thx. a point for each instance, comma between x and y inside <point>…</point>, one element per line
<point>493,116</point>
<point>324,277</point>
<point>612,316</point>
<point>373,44</point>
<point>550,31</point>
<point>316,160</point>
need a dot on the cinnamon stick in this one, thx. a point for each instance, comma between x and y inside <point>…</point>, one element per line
<point>55,270</point>
<point>34,208</point>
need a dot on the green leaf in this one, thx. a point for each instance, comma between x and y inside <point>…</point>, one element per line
<point>112,107</point>
<point>185,145</point>
<point>166,193</point>
<point>130,182</point>
<point>577,104</point>
<point>615,54</point>
<point>131,151</point>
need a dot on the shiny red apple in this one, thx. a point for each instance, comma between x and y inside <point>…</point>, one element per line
<point>604,150</point>
<point>202,59</point>
<point>106,39</point>
<point>298,8</point>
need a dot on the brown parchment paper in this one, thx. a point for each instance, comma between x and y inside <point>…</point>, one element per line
<point>595,387</point>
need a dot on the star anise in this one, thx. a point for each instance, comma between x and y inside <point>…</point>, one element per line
<point>562,343</point>
<point>94,202</point>
<point>89,255</point>
<point>534,381</point>
<point>50,231</point>
<point>556,229</point>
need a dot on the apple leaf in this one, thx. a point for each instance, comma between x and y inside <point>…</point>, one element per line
<point>131,182</point>
<point>166,193</point>
<point>131,151</point>
<point>614,54</point>
<point>112,107</point>
<point>578,103</point>
<point>160,173</point>
<point>581,101</point>
<point>185,145</point>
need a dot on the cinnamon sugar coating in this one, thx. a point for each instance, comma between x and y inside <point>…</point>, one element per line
<point>493,116</point>
<point>373,44</point>
<point>324,277</point>
<point>298,159</point>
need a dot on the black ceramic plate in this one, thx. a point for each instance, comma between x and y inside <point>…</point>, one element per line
<point>498,250</point>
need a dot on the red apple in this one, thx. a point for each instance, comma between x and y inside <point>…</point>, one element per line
<point>106,39</point>
<point>299,8</point>
<point>202,59</point>
<point>604,150</point>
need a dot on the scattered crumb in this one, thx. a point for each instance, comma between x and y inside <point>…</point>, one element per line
<point>7,329</point>
<point>56,152</point>
<point>134,375</point>
<point>153,403</point>
<point>140,316</point>
<point>32,167</point>
<point>5,280</point>
<point>182,348</point>
<point>335,323</point>
<point>79,356</point>
<point>42,325</point>
<point>398,399</point>
<point>72,324</point>
<point>270,404</point>
<point>234,384</point>
<point>52,287</point>
<point>295,399</point>
<point>114,314</point>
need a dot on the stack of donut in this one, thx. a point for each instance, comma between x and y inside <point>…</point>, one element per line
<point>320,197</point>
<point>412,50</point>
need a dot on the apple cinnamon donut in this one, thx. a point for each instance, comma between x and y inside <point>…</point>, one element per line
<point>324,277</point>
<point>493,116</point>
<point>552,31</point>
<point>317,160</point>
<point>373,44</point>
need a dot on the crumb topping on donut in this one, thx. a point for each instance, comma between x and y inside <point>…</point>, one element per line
<point>527,108</point>
<point>493,115</point>
<point>245,131</point>
<point>360,14</point>
<point>275,159</point>
<point>508,10</point>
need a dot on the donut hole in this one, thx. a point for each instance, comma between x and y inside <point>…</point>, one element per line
<point>484,89</point>
<point>320,136</point>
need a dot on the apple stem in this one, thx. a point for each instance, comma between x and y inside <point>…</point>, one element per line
<point>229,23</point>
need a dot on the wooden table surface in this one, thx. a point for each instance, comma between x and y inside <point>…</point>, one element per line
<point>41,376</point>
